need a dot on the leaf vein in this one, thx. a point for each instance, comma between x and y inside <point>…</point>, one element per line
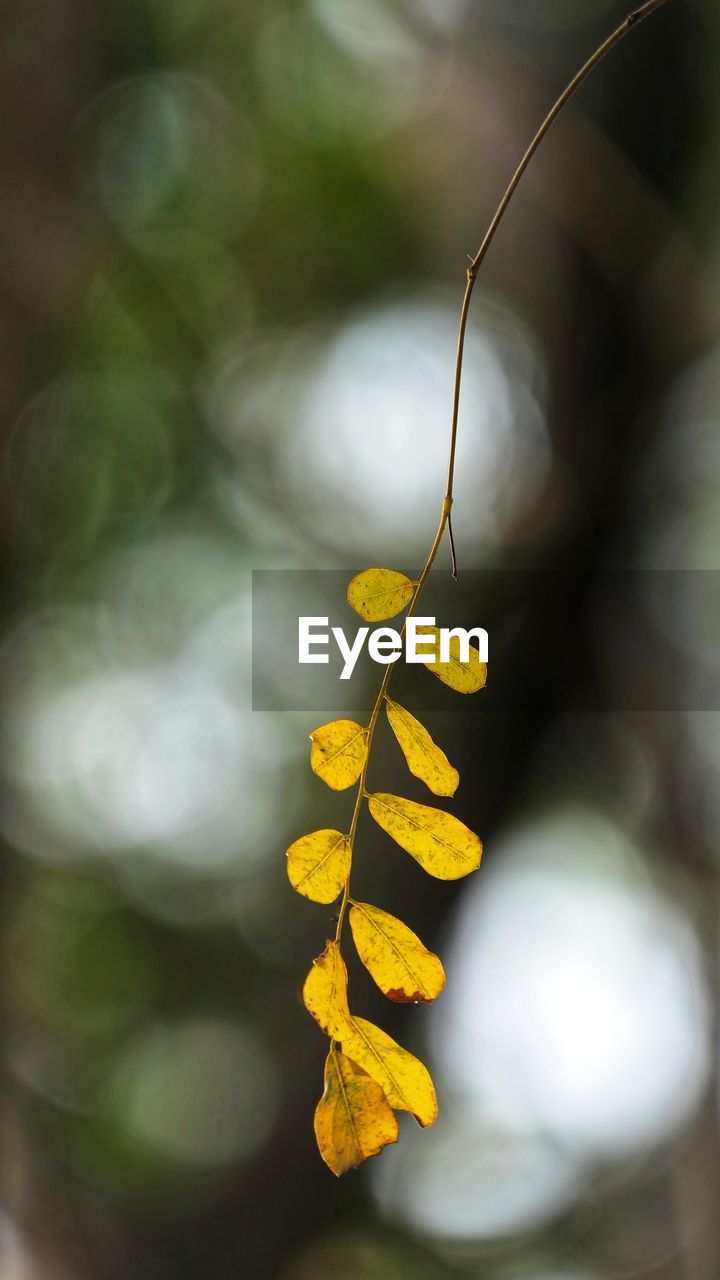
<point>319,865</point>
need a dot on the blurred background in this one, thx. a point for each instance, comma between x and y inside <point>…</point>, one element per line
<point>233,241</point>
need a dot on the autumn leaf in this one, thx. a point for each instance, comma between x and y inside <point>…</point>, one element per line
<point>396,959</point>
<point>319,864</point>
<point>379,593</point>
<point>325,992</point>
<point>464,677</point>
<point>338,753</point>
<point>353,1119</point>
<point>404,1080</point>
<point>424,758</point>
<point>443,845</point>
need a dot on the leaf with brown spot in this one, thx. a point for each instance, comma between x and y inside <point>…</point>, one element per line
<point>404,1079</point>
<point>443,845</point>
<point>394,956</point>
<point>319,864</point>
<point>338,752</point>
<point>353,1119</point>
<point>379,593</point>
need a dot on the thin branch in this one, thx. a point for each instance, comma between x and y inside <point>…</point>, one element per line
<point>633,19</point>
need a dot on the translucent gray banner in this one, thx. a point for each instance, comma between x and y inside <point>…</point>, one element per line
<point>610,640</point>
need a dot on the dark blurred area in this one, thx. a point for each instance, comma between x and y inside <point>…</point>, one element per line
<point>233,241</point>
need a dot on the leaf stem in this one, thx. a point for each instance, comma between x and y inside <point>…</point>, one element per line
<point>361,791</point>
<point>633,19</point>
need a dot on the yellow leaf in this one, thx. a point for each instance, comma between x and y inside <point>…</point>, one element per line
<point>353,1119</point>
<point>424,757</point>
<point>443,845</point>
<point>319,864</point>
<point>401,965</point>
<point>338,753</point>
<point>464,677</point>
<point>403,1079</point>
<point>379,593</point>
<point>325,992</point>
